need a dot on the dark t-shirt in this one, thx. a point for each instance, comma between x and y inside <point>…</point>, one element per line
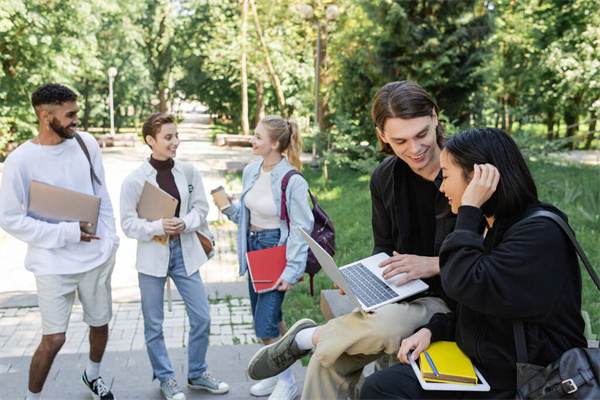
<point>422,194</point>
<point>166,180</point>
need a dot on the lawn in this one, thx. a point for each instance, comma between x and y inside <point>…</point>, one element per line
<point>345,197</point>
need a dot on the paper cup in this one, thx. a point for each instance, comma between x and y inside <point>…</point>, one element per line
<point>220,197</point>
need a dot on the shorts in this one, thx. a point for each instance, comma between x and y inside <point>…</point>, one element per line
<point>266,307</point>
<point>56,294</point>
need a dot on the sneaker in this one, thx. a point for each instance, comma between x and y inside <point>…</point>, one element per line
<point>170,389</point>
<point>264,387</point>
<point>275,358</point>
<point>208,382</point>
<point>97,388</point>
<point>284,391</point>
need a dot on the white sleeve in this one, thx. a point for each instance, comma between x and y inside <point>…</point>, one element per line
<point>198,204</point>
<point>14,196</point>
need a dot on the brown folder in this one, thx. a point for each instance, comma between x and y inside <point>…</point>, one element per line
<point>155,204</point>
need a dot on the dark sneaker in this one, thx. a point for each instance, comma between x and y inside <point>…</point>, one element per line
<point>208,382</point>
<point>97,388</point>
<point>275,358</point>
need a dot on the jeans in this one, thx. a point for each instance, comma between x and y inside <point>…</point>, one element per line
<point>197,308</point>
<point>266,307</point>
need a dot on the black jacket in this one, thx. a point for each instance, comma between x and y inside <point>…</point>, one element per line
<point>522,270</point>
<point>392,230</point>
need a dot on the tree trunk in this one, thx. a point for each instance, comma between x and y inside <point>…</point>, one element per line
<point>572,119</point>
<point>87,108</point>
<point>245,124</point>
<point>592,131</point>
<point>507,125</point>
<point>162,98</point>
<point>550,124</point>
<point>274,76</point>
<point>260,105</point>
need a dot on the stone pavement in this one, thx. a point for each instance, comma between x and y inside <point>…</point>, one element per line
<point>125,366</point>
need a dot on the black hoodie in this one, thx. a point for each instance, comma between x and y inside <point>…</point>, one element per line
<point>522,270</point>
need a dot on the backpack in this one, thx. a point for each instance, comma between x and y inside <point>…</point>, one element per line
<point>323,232</point>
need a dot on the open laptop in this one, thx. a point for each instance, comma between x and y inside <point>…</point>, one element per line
<point>362,281</point>
<point>53,204</point>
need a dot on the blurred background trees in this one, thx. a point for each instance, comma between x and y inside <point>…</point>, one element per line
<point>530,67</point>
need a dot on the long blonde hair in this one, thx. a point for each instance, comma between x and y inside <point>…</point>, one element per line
<point>287,133</point>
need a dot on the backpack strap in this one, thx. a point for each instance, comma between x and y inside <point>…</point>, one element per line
<point>284,212</point>
<point>93,175</point>
<point>518,329</point>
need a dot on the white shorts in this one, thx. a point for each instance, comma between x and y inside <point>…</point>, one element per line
<point>56,294</point>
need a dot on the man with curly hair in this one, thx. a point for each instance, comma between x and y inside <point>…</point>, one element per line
<point>64,258</point>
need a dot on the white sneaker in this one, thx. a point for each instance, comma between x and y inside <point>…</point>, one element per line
<point>284,391</point>
<point>264,387</point>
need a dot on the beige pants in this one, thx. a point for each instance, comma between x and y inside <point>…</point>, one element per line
<point>350,342</point>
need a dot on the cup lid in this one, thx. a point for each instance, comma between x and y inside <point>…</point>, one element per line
<point>217,189</point>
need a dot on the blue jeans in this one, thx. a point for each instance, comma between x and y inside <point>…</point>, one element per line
<point>197,308</point>
<point>266,307</point>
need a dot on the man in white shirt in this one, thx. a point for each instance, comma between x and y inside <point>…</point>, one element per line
<point>63,257</point>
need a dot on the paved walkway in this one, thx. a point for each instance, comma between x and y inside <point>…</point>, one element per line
<point>126,365</point>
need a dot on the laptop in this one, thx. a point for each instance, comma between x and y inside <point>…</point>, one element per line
<point>54,204</point>
<point>362,281</point>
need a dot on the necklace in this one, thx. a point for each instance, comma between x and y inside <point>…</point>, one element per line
<point>51,151</point>
<point>265,166</point>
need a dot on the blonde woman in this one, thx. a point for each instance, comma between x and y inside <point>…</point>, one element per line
<point>278,142</point>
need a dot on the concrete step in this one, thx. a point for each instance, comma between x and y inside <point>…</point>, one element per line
<point>130,376</point>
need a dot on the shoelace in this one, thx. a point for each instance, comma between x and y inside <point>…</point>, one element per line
<point>172,385</point>
<point>210,378</point>
<point>100,387</point>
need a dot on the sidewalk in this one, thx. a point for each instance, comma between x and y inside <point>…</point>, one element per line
<point>125,366</point>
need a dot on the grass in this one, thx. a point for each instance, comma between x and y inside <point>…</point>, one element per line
<point>574,188</point>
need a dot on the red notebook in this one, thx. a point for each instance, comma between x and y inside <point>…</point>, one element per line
<point>266,266</point>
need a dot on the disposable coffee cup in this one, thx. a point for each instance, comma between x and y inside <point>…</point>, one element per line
<point>220,197</point>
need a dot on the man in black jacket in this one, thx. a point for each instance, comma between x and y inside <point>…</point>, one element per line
<point>410,219</point>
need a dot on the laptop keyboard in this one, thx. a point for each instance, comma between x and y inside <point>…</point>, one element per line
<point>369,289</point>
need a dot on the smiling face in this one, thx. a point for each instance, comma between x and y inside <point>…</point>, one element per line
<point>62,119</point>
<point>164,146</point>
<point>414,141</point>
<point>454,183</point>
<point>262,144</point>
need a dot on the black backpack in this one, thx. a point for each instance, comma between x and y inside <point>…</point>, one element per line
<point>323,232</point>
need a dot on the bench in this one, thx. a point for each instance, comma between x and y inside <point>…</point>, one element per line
<point>233,140</point>
<point>119,139</point>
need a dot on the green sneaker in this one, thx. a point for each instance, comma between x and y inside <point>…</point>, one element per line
<point>275,358</point>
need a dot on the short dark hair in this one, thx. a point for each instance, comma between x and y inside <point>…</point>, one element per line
<point>406,100</point>
<point>153,124</point>
<point>52,93</point>
<point>516,188</point>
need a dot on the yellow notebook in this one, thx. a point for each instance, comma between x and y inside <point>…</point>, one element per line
<point>452,365</point>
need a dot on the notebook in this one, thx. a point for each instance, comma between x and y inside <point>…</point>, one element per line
<point>452,365</point>
<point>481,386</point>
<point>362,281</point>
<point>155,204</point>
<point>265,267</point>
<point>54,204</point>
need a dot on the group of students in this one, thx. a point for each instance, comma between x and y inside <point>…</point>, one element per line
<point>448,212</point>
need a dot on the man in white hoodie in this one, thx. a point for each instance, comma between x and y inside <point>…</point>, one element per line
<point>63,257</point>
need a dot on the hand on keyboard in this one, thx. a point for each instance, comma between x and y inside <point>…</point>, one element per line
<point>415,267</point>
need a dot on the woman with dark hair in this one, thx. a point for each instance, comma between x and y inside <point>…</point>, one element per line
<point>499,269</point>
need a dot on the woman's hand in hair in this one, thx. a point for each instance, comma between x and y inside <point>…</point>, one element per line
<point>283,286</point>
<point>414,267</point>
<point>482,186</point>
<point>419,341</point>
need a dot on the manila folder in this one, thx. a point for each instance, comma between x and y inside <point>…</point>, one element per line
<point>54,204</point>
<point>155,204</point>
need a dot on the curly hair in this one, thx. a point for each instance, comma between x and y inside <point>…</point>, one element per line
<point>52,93</point>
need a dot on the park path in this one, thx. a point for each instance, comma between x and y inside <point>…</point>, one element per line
<point>125,366</point>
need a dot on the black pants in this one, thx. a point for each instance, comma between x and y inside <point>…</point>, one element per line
<point>400,382</point>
